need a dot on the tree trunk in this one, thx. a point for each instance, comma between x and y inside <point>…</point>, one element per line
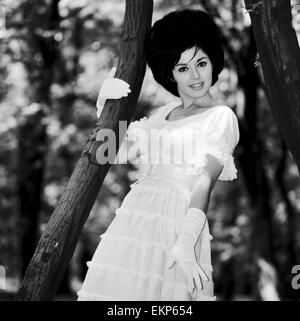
<point>32,135</point>
<point>280,58</point>
<point>59,240</point>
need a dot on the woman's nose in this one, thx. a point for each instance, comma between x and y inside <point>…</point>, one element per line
<point>195,74</point>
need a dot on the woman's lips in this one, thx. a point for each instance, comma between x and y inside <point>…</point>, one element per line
<point>197,86</point>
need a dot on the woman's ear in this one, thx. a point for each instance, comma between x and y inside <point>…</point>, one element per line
<point>171,78</point>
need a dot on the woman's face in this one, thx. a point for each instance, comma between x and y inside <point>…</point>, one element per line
<point>193,74</point>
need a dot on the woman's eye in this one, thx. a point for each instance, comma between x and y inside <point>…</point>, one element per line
<point>202,64</point>
<point>181,69</point>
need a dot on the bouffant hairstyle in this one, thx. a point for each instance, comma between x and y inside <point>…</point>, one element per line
<point>176,32</point>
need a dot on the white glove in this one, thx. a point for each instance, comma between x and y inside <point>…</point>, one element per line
<point>183,253</point>
<point>112,88</point>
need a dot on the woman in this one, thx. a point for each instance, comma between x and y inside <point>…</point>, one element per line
<point>158,246</point>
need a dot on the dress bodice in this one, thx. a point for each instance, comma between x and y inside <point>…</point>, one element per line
<point>178,149</point>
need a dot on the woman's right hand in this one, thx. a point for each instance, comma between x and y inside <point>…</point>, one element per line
<point>112,88</point>
<point>183,252</point>
<point>190,267</point>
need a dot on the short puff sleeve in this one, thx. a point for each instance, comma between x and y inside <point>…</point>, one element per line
<point>138,132</point>
<point>219,140</point>
<point>132,144</point>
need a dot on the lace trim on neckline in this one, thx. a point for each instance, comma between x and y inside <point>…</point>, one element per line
<point>175,105</point>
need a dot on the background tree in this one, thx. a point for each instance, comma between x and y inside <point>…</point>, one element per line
<point>279,52</point>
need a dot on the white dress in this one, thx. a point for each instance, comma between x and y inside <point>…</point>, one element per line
<point>129,263</point>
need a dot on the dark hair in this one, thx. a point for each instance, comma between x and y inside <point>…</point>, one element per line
<point>176,32</point>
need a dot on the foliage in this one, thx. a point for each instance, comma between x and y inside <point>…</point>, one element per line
<point>83,44</point>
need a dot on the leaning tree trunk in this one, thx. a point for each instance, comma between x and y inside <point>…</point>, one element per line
<point>280,58</point>
<point>59,240</point>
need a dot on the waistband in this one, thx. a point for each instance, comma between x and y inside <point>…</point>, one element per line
<point>159,177</point>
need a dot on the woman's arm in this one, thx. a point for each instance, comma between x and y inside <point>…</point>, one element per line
<point>205,184</point>
<point>192,225</point>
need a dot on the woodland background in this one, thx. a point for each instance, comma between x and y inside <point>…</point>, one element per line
<point>54,57</point>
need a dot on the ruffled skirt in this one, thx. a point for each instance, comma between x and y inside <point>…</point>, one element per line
<point>129,262</point>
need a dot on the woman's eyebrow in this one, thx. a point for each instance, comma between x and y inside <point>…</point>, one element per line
<point>184,64</point>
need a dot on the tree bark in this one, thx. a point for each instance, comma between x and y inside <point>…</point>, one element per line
<point>280,59</point>
<point>59,240</point>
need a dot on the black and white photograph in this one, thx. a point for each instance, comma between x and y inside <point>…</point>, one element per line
<point>149,153</point>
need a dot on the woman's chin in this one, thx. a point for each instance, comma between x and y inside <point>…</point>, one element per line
<point>198,93</point>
